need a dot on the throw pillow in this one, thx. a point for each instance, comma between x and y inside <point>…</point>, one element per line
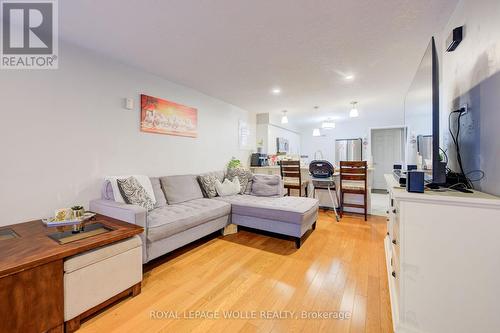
<point>243,175</point>
<point>107,191</point>
<point>143,180</point>
<point>134,193</point>
<point>181,188</point>
<point>161,201</point>
<point>228,187</point>
<point>266,185</point>
<point>207,184</point>
<point>248,190</point>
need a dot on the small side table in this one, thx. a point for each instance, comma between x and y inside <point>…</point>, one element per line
<point>32,265</point>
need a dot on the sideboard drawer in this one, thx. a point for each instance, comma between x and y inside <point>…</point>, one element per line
<point>395,224</point>
<point>390,226</point>
<point>395,251</point>
<point>396,270</point>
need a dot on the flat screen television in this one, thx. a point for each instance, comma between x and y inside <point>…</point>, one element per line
<point>421,116</point>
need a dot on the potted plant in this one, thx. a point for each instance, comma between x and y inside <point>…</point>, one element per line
<point>234,163</point>
<point>78,211</point>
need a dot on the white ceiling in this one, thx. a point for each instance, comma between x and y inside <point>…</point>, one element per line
<point>237,50</point>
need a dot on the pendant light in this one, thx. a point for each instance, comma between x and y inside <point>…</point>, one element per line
<point>354,110</point>
<point>328,124</point>
<point>284,118</point>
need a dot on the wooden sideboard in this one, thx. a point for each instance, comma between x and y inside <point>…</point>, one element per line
<point>31,273</point>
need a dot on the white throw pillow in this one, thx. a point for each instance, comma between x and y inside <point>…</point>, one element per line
<point>143,180</point>
<point>227,187</point>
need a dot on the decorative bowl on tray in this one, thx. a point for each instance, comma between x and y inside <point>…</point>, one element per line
<point>76,222</point>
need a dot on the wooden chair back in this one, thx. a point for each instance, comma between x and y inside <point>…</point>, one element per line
<point>353,171</point>
<point>292,177</point>
<point>291,170</point>
<point>356,171</point>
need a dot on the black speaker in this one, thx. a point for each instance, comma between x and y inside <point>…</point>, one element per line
<point>415,181</point>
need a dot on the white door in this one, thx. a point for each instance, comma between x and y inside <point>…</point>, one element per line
<point>387,149</point>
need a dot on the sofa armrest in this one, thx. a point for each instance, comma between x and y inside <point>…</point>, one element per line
<point>128,213</point>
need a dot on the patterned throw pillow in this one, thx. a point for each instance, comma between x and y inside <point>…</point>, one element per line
<point>228,187</point>
<point>243,175</point>
<point>133,193</point>
<point>207,184</point>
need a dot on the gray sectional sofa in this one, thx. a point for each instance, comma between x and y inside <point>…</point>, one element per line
<point>182,214</point>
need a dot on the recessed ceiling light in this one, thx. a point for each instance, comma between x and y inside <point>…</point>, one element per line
<point>349,77</point>
<point>316,132</point>
<point>276,91</point>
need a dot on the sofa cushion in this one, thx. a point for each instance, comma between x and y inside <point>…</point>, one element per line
<point>266,185</point>
<point>207,185</point>
<point>227,187</point>
<point>220,175</point>
<point>142,179</point>
<point>207,182</point>
<point>286,209</point>
<point>161,201</point>
<point>107,191</point>
<point>134,193</point>
<point>182,188</point>
<point>172,219</point>
<point>244,176</point>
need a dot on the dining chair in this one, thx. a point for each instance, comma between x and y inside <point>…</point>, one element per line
<point>356,174</point>
<point>292,178</point>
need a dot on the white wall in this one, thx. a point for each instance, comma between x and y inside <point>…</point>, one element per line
<point>471,74</point>
<point>275,132</point>
<point>61,131</point>
<point>269,128</point>
<point>353,128</point>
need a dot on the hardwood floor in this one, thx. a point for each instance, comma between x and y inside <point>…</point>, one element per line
<point>340,267</point>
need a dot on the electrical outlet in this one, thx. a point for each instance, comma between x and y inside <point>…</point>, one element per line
<point>466,107</point>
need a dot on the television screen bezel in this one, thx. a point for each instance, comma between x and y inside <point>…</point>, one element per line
<point>438,172</point>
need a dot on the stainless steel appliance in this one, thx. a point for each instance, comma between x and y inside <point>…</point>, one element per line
<point>348,150</point>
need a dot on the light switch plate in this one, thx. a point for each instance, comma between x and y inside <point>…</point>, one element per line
<point>129,103</point>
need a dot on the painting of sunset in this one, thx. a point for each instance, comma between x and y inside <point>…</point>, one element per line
<point>165,117</point>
